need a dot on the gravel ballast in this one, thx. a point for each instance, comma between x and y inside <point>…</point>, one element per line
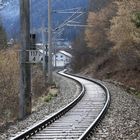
<point>122,121</point>
<point>69,90</point>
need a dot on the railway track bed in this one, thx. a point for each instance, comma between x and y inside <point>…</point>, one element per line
<point>76,120</point>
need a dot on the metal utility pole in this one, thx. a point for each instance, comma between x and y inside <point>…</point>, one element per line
<point>50,79</point>
<point>25,68</point>
<point>44,49</point>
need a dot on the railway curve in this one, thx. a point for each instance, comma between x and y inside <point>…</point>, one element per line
<point>78,119</point>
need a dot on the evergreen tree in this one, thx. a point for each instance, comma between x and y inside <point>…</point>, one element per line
<point>3,41</point>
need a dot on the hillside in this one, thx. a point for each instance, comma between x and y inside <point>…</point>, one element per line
<point>113,41</point>
<point>10,15</point>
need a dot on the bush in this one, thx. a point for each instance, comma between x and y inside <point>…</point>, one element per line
<point>9,83</point>
<point>47,98</point>
<point>136,18</point>
<point>3,42</point>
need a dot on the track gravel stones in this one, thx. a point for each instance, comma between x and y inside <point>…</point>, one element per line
<point>122,121</point>
<point>69,90</point>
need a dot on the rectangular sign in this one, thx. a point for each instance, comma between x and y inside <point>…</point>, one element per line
<point>35,56</point>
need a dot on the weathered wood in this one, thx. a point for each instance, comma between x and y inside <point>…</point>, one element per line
<point>25,68</point>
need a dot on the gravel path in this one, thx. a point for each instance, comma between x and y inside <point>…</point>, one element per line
<point>122,121</point>
<point>69,90</point>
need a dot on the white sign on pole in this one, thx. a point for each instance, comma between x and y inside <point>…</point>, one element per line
<point>35,56</point>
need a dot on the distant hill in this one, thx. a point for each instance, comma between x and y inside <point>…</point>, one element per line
<point>10,15</point>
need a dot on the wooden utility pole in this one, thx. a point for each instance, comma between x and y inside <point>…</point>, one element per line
<point>50,79</point>
<point>25,67</point>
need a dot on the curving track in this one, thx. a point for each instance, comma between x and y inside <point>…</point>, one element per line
<point>77,120</point>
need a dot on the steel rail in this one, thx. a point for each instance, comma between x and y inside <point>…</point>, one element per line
<point>40,126</point>
<point>89,132</point>
<point>86,134</point>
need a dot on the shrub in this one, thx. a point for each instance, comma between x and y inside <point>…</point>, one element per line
<point>47,98</point>
<point>136,18</point>
<point>9,83</point>
<point>3,42</point>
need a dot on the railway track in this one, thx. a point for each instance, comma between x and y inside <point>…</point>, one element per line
<point>77,120</point>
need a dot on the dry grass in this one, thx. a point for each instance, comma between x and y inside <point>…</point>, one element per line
<point>9,83</point>
<point>39,88</point>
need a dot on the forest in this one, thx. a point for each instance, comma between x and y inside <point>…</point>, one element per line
<point>111,48</point>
